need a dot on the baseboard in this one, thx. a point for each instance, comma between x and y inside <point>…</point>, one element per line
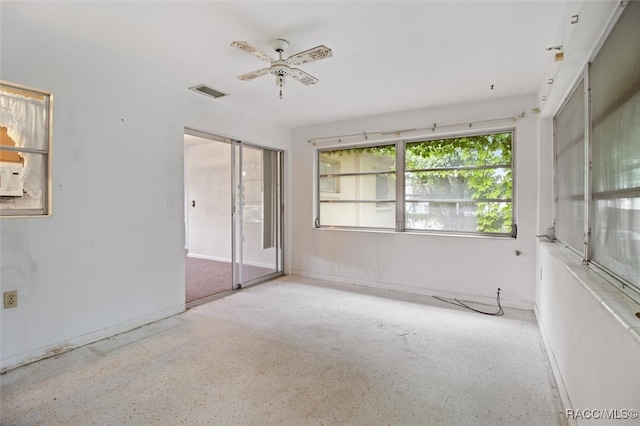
<point>85,339</point>
<point>507,303</point>
<point>228,260</point>
<point>562,390</point>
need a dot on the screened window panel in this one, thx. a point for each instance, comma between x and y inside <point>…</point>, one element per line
<point>25,118</point>
<point>615,97</point>
<point>458,184</point>
<point>477,150</point>
<point>328,165</point>
<point>436,186</point>
<point>458,217</point>
<point>570,173</point>
<point>329,184</point>
<point>33,196</point>
<point>328,170</point>
<point>616,238</point>
<point>385,186</point>
<point>359,160</point>
<point>368,187</point>
<point>365,215</point>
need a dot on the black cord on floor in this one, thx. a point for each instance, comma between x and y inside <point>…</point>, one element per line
<point>461,304</point>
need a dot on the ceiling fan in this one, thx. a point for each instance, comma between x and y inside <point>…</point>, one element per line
<point>281,68</point>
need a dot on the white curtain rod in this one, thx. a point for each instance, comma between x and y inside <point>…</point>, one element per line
<point>399,132</point>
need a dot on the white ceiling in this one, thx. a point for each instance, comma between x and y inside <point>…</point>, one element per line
<point>387,55</point>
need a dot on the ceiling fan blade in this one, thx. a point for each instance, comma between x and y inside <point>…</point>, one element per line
<point>253,74</point>
<point>243,45</point>
<point>315,54</point>
<point>303,77</point>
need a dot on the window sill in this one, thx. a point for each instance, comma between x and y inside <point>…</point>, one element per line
<point>423,233</point>
<point>615,301</point>
<point>21,214</point>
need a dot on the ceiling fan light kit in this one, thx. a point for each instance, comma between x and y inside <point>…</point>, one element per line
<point>281,68</point>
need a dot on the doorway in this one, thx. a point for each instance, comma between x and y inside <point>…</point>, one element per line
<point>233,215</point>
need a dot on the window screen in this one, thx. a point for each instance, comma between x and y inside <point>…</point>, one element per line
<point>615,106</point>
<point>570,173</point>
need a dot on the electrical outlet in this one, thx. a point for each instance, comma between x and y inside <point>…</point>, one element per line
<point>10,299</point>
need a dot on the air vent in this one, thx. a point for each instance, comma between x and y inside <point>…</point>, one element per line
<point>208,91</point>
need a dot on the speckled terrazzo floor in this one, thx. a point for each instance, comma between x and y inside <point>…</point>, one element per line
<point>299,351</point>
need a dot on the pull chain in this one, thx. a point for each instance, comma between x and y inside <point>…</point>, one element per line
<point>281,91</point>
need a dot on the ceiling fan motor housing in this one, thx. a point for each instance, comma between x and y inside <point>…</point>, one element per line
<point>280,71</point>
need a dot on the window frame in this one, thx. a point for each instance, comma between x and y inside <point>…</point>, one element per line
<point>46,183</point>
<point>400,180</point>
<point>582,80</point>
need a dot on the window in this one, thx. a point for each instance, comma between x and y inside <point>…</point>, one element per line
<point>24,151</point>
<point>611,207</point>
<point>358,173</point>
<point>461,185</point>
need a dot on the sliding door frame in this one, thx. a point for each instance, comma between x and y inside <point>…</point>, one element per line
<point>237,231</point>
<point>237,212</point>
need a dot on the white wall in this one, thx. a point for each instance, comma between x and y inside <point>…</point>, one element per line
<point>210,187</point>
<point>595,354</point>
<point>112,255</point>
<point>419,263</point>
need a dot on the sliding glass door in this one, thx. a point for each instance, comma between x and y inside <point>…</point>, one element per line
<point>257,214</point>
<point>233,215</point>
